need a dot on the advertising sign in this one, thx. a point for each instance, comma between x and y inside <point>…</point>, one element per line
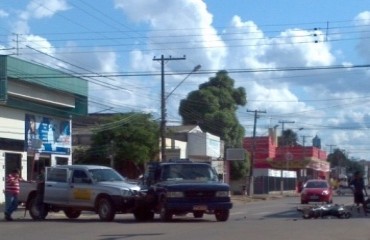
<point>47,135</point>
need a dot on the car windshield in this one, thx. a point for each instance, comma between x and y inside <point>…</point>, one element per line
<point>316,185</point>
<point>103,175</point>
<point>198,172</point>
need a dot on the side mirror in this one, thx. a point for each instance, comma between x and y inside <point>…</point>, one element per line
<point>220,177</point>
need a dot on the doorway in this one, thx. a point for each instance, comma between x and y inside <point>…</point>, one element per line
<point>34,166</point>
<point>12,161</point>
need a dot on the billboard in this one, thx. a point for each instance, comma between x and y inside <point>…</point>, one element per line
<point>237,154</point>
<point>47,135</point>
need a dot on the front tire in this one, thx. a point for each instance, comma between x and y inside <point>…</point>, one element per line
<point>222,215</point>
<point>165,214</point>
<point>106,209</point>
<point>367,204</point>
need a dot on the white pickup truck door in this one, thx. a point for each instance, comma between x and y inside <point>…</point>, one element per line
<point>81,189</point>
<point>57,186</point>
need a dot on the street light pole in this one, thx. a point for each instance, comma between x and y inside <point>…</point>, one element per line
<point>163,104</point>
<point>196,68</point>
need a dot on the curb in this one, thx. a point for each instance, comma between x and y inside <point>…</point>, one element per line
<point>246,198</point>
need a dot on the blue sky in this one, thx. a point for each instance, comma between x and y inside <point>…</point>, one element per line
<point>261,44</point>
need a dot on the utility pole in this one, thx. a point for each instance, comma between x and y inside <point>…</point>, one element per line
<point>251,178</point>
<point>304,140</point>
<point>281,171</point>
<point>331,147</point>
<point>163,103</point>
<point>282,126</point>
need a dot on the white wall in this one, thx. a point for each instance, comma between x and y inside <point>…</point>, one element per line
<point>11,123</point>
<point>175,144</point>
<point>204,144</point>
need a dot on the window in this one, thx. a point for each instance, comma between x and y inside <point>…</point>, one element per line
<point>56,175</point>
<point>79,176</point>
<point>61,161</point>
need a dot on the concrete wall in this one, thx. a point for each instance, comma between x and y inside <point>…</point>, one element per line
<point>11,123</point>
<point>204,144</point>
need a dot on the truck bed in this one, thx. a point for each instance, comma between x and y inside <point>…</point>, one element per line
<point>25,188</point>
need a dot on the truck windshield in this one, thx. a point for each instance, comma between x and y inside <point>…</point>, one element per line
<point>103,175</point>
<point>197,172</point>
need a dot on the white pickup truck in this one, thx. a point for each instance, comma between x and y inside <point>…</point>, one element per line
<point>77,188</point>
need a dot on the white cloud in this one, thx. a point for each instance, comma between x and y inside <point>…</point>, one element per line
<point>37,9</point>
<point>199,40</point>
<point>362,21</point>
<point>3,13</point>
<point>41,8</point>
<point>319,98</point>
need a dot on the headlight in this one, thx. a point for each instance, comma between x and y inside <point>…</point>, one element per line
<point>222,193</point>
<point>126,192</point>
<point>325,192</point>
<point>175,194</point>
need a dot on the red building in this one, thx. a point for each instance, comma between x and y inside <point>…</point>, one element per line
<point>298,161</point>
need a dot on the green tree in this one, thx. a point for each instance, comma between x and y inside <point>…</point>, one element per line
<point>289,138</point>
<point>131,139</point>
<point>339,159</point>
<point>213,107</point>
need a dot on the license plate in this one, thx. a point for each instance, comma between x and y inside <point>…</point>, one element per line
<point>314,197</point>
<point>200,208</point>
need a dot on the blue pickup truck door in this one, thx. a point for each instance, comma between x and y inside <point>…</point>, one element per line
<point>56,186</point>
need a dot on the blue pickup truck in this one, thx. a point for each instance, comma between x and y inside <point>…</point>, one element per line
<point>177,188</point>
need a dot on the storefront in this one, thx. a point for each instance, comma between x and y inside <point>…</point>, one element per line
<point>36,113</point>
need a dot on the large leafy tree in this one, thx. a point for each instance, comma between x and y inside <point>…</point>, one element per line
<point>339,159</point>
<point>288,138</point>
<point>129,139</point>
<point>213,107</point>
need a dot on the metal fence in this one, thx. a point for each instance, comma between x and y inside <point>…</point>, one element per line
<point>266,184</point>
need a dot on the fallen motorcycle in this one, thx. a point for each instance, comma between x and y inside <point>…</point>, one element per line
<point>325,210</point>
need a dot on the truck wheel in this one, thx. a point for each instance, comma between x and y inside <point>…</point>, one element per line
<point>38,211</point>
<point>106,210</point>
<point>367,204</point>
<point>165,214</point>
<point>142,215</point>
<point>222,215</point>
<point>72,213</point>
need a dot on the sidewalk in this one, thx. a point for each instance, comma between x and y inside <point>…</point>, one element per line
<point>263,197</point>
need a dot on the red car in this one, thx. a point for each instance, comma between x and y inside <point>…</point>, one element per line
<point>316,191</point>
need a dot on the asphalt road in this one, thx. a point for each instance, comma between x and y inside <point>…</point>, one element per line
<point>275,219</point>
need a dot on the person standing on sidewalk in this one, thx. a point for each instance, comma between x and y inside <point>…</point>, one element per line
<point>357,183</point>
<point>11,193</point>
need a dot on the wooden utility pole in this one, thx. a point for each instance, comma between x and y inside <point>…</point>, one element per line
<point>251,177</point>
<point>163,103</point>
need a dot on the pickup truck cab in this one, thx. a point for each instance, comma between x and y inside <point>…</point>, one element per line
<point>76,188</point>
<point>182,187</point>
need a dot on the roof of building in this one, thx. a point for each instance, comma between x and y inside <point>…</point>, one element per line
<point>184,129</point>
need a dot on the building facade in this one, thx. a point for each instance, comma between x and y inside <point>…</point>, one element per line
<point>189,141</point>
<point>37,105</point>
<point>279,168</point>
